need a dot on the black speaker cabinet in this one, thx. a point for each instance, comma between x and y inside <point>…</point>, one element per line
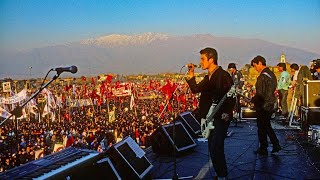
<point>129,159</point>
<point>190,123</point>
<point>309,116</point>
<point>247,113</point>
<point>102,169</point>
<point>162,139</point>
<point>311,93</point>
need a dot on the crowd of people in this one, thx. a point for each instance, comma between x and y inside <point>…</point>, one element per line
<point>89,127</point>
<point>92,127</point>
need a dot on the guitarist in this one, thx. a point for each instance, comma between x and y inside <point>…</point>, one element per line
<point>264,101</point>
<point>212,88</point>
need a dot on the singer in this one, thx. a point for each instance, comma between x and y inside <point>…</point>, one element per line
<point>212,88</point>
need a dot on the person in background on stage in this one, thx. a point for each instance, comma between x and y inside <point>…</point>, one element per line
<point>212,88</point>
<point>283,87</point>
<point>317,71</point>
<point>238,81</point>
<point>264,101</point>
<point>303,75</point>
<point>236,75</point>
<point>294,69</point>
<point>313,69</point>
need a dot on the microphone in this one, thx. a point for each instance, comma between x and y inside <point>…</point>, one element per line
<point>195,66</point>
<point>72,69</point>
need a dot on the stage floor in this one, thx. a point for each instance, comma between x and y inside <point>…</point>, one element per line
<point>292,162</point>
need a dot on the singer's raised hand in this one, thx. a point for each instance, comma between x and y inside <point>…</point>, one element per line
<point>191,70</point>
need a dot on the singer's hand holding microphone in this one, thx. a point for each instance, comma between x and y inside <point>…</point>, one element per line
<point>191,66</point>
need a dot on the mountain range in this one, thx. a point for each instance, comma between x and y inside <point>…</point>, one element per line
<point>147,53</point>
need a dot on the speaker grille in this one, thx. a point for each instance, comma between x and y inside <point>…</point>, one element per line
<point>311,94</point>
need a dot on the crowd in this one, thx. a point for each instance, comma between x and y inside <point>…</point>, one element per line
<point>87,126</point>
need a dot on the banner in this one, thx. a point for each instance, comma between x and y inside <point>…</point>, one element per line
<point>79,102</point>
<point>16,98</point>
<point>6,86</point>
<point>121,92</point>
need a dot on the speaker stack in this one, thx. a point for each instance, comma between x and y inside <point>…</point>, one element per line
<point>162,139</point>
<point>310,109</point>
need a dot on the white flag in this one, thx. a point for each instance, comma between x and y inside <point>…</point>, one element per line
<point>4,113</point>
<point>132,104</point>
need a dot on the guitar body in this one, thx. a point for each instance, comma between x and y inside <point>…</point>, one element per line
<point>206,127</point>
<point>207,124</point>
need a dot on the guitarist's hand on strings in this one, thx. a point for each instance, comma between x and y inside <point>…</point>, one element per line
<point>225,116</point>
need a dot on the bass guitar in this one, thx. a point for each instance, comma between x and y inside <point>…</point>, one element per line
<point>207,124</point>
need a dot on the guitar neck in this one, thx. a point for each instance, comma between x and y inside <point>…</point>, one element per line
<point>245,98</point>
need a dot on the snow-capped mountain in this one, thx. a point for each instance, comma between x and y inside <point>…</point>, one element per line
<point>116,40</point>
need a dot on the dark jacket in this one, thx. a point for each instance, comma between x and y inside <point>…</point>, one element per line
<point>266,85</point>
<point>213,90</point>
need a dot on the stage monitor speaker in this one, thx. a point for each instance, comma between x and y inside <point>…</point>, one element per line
<point>162,139</point>
<point>102,169</point>
<point>129,159</point>
<point>311,93</point>
<point>190,123</point>
<point>247,113</point>
<point>309,116</point>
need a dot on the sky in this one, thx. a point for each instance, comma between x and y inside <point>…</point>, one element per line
<point>28,24</point>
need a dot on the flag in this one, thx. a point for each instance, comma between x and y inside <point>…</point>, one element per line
<point>32,105</point>
<point>93,82</point>
<point>111,115</point>
<point>49,97</point>
<point>109,78</point>
<point>132,104</point>
<point>46,110</point>
<point>4,113</point>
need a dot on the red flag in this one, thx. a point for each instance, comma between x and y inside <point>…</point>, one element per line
<point>167,89</point>
<point>170,107</point>
<point>183,99</point>
<point>109,78</point>
<point>117,84</point>
<point>92,80</point>
<point>84,92</point>
<point>150,85</point>
<point>195,103</point>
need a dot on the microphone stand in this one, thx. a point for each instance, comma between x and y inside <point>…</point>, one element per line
<point>17,112</point>
<point>175,175</point>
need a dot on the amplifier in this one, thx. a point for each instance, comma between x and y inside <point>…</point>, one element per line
<point>311,93</point>
<point>129,159</point>
<point>248,113</point>
<point>309,116</point>
<point>314,134</point>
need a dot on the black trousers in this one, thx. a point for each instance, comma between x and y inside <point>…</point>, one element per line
<point>216,147</point>
<point>265,129</point>
<point>283,95</point>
